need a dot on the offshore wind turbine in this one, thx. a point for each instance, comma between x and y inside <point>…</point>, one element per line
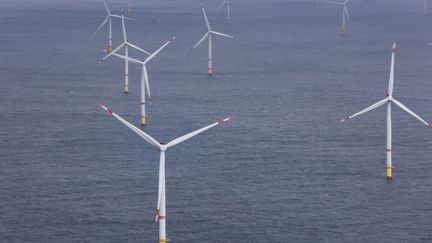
<point>389,100</point>
<point>226,3</point>
<point>345,15</point>
<point>162,147</point>
<point>129,7</point>
<point>108,19</point>
<point>209,34</point>
<point>144,76</point>
<point>126,44</point>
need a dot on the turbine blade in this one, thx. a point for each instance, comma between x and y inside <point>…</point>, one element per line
<point>223,4</point>
<point>140,133</point>
<point>159,50</point>
<point>205,17</point>
<point>372,107</point>
<point>124,28</point>
<point>221,34</point>
<point>113,52</point>
<point>192,134</point>
<point>130,59</point>
<point>100,26</point>
<point>333,3</point>
<point>200,41</point>
<point>391,78</point>
<point>116,16</point>
<point>106,7</point>
<point>346,13</point>
<point>137,48</point>
<point>403,107</point>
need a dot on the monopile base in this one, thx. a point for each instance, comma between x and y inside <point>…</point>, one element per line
<point>389,172</point>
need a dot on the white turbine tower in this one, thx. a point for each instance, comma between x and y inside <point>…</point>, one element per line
<point>345,15</point>
<point>226,3</point>
<point>144,77</point>
<point>389,100</point>
<point>126,44</point>
<point>162,147</point>
<point>109,20</point>
<point>209,34</point>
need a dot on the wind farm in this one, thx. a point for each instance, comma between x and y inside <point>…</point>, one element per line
<point>283,169</point>
<point>125,45</point>
<point>145,87</point>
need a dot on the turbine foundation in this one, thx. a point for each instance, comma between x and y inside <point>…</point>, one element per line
<point>210,71</point>
<point>162,240</point>
<point>109,49</point>
<point>143,120</point>
<point>389,172</point>
<point>126,88</point>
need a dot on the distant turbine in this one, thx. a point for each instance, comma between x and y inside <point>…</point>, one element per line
<point>144,77</point>
<point>129,7</point>
<point>162,147</point>
<point>345,14</point>
<point>109,20</point>
<point>226,3</point>
<point>389,100</point>
<point>126,44</point>
<point>209,34</point>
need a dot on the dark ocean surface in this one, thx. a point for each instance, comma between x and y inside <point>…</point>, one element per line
<point>283,170</point>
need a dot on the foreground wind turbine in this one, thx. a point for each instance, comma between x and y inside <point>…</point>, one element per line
<point>389,100</point>
<point>345,14</point>
<point>162,147</point>
<point>227,3</point>
<point>126,44</point>
<point>144,76</point>
<point>209,34</point>
<point>109,20</point>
